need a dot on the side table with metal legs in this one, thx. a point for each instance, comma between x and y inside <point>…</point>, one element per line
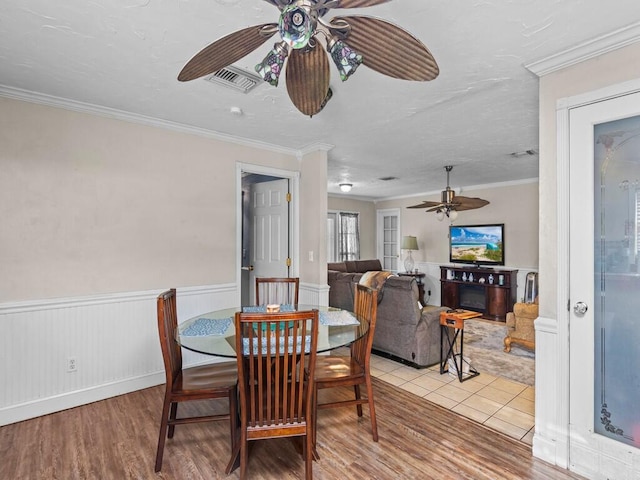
<point>455,319</point>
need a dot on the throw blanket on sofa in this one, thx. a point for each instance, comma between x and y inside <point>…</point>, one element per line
<point>375,280</point>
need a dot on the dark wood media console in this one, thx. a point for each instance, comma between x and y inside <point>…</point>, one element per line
<point>489,291</point>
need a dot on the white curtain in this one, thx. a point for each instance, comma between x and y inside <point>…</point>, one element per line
<point>349,244</point>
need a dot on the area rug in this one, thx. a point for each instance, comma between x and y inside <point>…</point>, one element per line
<point>484,347</point>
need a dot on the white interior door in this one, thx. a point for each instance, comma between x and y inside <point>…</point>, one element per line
<point>388,238</point>
<point>269,224</point>
<point>604,418</point>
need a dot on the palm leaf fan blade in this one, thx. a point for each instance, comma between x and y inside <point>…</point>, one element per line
<point>308,79</point>
<point>425,204</point>
<point>227,50</point>
<point>389,49</point>
<point>469,203</point>
<point>358,3</point>
<point>436,208</point>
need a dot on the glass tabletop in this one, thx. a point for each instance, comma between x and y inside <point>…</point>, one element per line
<point>213,333</point>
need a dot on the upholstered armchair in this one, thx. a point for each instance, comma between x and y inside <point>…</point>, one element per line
<point>520,325</point>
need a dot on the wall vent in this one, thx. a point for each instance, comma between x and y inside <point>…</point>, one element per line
<point>236,78</point>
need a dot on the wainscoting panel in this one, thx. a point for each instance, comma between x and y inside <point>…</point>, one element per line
<point>311,294</point>
<point>548,440</point>
<point>113,340</point>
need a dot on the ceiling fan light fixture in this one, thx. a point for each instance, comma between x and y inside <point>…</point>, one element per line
<point>301,23</point>
<point>346,187</point>
<point>298,24</point>
<point>271,67</point>
<point>449,204</point>
<point>448,195</point>
<point>346,59</point>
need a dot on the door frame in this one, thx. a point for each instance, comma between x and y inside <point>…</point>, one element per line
<point>294,219</point>
<point>563,297</point>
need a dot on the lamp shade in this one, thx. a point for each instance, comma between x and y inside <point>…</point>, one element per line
<point>409,243</point>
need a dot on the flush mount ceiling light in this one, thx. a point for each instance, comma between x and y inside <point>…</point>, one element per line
<point>349,41</point>
<point>451,204</point>
<point>346,187</point>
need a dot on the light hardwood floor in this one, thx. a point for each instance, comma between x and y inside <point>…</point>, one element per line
<point>116,439</point>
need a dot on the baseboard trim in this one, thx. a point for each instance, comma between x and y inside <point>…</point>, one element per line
<point>37,408</point>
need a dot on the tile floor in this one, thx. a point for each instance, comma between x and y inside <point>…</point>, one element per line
<point>501,404</point>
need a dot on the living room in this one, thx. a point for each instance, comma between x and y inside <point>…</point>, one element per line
<point>513,204</point>
<point>100,212</point>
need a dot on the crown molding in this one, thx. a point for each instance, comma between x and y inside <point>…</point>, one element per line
<point>315,147</point>
<point>587,50</point>
<point>91,109</point>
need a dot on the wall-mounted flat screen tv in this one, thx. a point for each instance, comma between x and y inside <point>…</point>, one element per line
<point>477,244</point>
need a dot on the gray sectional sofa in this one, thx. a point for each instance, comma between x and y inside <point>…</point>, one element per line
<point>404,331</point>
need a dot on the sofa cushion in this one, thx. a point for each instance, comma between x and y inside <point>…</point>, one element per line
<point>337,266</point>
<point>355,266</point>
<point>368,265</point>
<point>341,291</point>
<point>351,266</point>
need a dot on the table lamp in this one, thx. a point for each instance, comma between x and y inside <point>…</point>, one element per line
<point>409,243</point>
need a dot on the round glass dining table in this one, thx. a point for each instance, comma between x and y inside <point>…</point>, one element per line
<point>213,333</point>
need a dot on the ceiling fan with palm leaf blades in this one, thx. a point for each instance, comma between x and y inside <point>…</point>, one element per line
<point>349,40</point>
<point>450,203</point>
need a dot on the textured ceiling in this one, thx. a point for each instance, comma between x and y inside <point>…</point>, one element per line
<point>126,55</point>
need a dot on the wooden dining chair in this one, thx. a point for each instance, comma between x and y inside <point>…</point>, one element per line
<point>204,382</point>
<point>277,290</point>
<point>276,400</point>
<point>354,370</point>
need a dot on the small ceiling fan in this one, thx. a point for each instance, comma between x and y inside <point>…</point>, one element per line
<point>349,41</point>
<point>451,204</point>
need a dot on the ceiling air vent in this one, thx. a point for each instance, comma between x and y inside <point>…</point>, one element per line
<point>236,78</point>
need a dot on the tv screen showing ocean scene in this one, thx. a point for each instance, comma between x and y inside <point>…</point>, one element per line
<point>477,244</point>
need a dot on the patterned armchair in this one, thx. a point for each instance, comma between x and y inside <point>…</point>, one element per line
<point>520,328</point>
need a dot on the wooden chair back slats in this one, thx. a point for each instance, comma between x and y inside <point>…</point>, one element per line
<point>275,397</point>
<point>365,309</point>
<point>353,371</point>
<point>167,325</point>
<point>277,290</point>
<point>202,382</point>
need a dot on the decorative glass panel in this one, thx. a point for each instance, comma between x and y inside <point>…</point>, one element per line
<point>617,280</point>
<point>390,247</point>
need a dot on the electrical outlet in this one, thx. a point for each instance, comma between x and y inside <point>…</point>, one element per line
<point>72,365</point>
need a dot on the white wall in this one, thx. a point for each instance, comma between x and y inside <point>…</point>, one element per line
<point>94,205</point>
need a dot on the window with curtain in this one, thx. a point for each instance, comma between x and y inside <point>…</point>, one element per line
<point>349,247</point>
<point>343,242</point>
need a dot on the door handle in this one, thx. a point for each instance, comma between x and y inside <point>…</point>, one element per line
<point>249,268</point>
<point>580,308</point>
